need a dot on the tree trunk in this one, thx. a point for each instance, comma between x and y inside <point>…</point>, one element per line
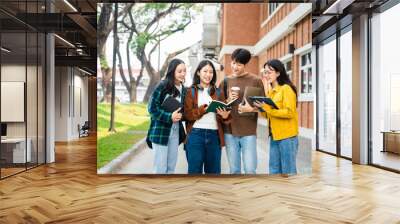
<point>154,76</point>
<point>133,81</point>
<point>133,93</point>
<point>112,118</point>
<point>102,35</point>
<point>127,83</point>
<point>105,80</point>
<point>106,85</point>
<point>154,80</point>
<point>104,28</point>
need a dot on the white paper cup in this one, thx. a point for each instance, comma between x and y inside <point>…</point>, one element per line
<point>235,89</point>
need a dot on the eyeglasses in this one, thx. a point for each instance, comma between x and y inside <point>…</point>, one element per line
<point>267,71</point>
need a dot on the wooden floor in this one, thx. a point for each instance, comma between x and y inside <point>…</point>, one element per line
<point>70,191</point>
<point>9,171</point>
<point>5,172</point>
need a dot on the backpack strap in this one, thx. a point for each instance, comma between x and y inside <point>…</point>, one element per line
<point>225,87</point>
<point>193,94</point>
<point>218,93</point>
<point>193,91</point>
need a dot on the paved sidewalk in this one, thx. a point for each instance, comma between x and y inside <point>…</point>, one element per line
<point>142,162</point>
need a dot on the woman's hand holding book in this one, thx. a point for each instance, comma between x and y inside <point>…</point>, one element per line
<point>223,113</point>
<point>203,108</point>
<point>176,115</point>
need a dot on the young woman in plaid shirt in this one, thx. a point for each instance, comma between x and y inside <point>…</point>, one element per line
<point>166,131</point>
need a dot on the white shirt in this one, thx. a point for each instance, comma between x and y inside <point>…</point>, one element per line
<point>208,120</point>
<point>180,92</point>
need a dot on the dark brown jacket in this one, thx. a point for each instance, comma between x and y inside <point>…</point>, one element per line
<point>192,112</point>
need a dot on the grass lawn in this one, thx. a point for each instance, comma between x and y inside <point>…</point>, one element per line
<point>131,123</point>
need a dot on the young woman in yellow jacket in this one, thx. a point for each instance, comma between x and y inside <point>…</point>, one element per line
<point>283,122</point>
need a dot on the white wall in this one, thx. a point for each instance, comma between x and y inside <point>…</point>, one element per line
<point>80,94</point>
<point>61,103</point>
<point>71,94</point>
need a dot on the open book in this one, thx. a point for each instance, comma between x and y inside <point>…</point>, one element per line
<point>219,104</point>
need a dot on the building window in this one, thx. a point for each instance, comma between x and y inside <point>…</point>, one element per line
<point>345,82</point>
<point>272,8</point>
<point>385,89</point>
<point>306,74</point>
<point>288,68</point>
<point>327,96</point>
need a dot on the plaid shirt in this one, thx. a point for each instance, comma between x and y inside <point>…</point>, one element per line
<point>161,122</point>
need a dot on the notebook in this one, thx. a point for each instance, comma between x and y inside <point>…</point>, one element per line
<point>263,100</point>
<point>248,92</point>
<point>252,91</point>
<point>171,104</point>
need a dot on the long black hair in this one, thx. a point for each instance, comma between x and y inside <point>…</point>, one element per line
<point>196,77</point>
<point>283,77</point>
<point>170,77</point>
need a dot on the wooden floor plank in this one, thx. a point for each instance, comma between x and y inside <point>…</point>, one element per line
<point>70,191</point>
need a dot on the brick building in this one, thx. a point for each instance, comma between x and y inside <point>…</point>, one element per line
<point>274,30</point>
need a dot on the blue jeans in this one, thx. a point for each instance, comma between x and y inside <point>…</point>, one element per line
<point>282,156</point>
<point>203,149</point>
<point>165,156</point>
<point>238,147</point>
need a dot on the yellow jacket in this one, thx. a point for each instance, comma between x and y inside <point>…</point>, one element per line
<point>283,121</point>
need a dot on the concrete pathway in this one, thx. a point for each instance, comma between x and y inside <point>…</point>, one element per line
<point>142,161</point>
